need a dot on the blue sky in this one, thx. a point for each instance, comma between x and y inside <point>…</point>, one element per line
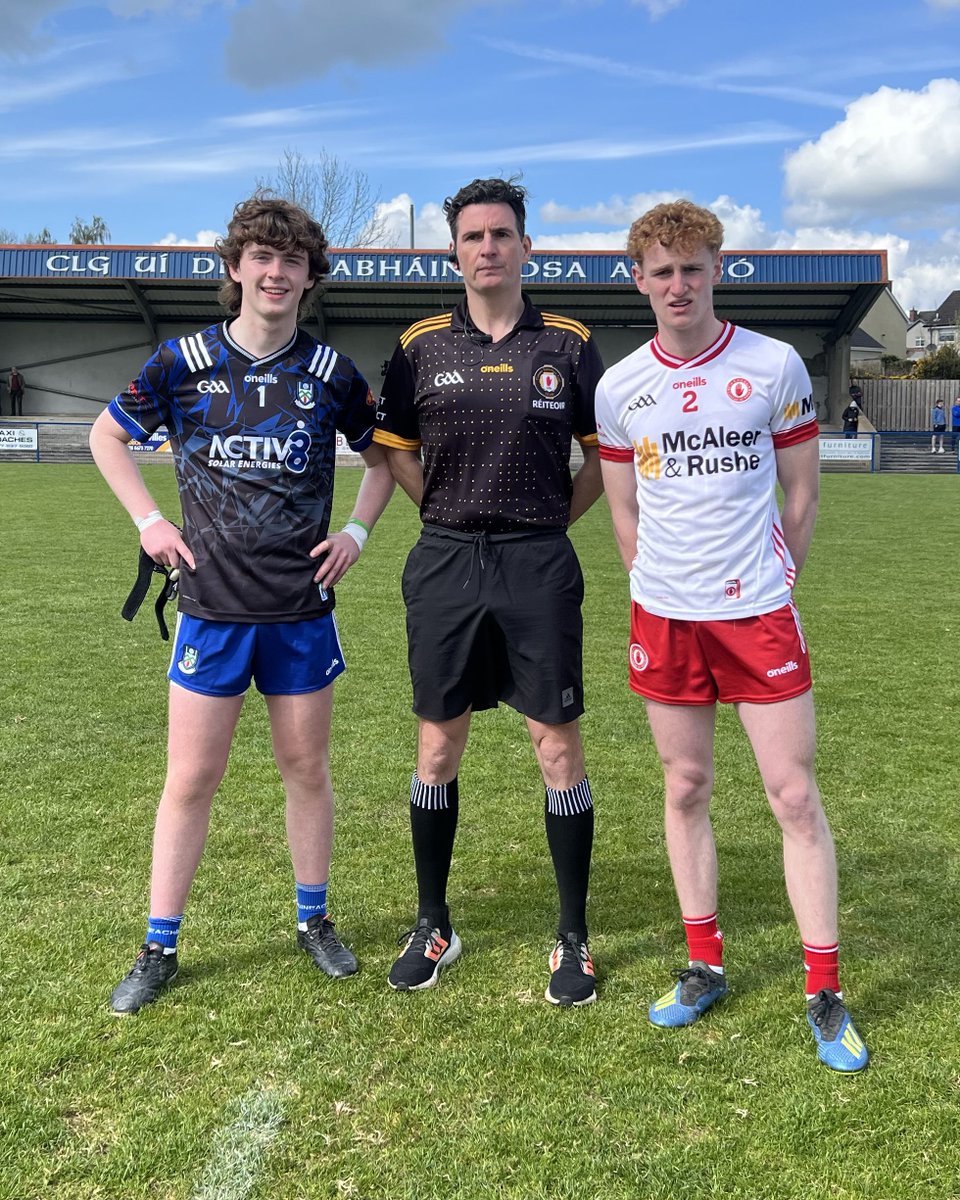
<point>817,125</point>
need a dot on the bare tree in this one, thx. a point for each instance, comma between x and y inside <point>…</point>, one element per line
<point>95,233</point>
<point>340,197</point>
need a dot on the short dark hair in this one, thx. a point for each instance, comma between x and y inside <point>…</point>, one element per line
<point>269,220</point>
<point>488,191</point>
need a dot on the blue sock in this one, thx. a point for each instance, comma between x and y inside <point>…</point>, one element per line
<point>311,902</point>
<point>164,931</point>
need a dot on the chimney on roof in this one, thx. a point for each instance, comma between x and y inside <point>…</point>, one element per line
<point>913,314</point>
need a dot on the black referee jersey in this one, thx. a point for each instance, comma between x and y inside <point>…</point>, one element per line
<point>494,419</point>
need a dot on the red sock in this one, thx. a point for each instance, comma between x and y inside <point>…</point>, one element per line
<point>704,940</point>
<point>820,964</point>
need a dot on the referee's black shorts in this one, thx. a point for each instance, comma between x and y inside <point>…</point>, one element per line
<point>494,617</point>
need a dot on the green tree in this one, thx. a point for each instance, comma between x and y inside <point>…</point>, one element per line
<point>944,363</point>
<point>94,233</point>
<point>43,238</point>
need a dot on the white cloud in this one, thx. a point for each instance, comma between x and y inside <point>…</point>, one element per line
<point>923,270</point>
<point>203,237</point>
<point>609,239</point>
<point>618,210</point>
<point>947,4</point>
<point>657,8</point>
<point>895,151</point>
<point>430,225</point>
<point>744,227</point>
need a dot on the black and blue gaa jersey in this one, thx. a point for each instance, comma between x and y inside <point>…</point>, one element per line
<point>254,444</point>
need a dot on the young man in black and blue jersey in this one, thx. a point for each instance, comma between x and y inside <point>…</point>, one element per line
<point>252,407</point>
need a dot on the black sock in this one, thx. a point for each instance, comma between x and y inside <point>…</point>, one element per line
<point>568,816</point>
<point>434,809</point>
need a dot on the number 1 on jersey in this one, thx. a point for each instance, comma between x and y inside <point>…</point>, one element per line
<point>262,392</point>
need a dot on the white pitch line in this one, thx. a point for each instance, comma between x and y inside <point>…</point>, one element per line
<point>240,1147</point>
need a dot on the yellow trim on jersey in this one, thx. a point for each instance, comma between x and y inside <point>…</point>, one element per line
<point>588,439</point>
<point>427,325</point>
<point>568,323</point>
<point>395,443</point>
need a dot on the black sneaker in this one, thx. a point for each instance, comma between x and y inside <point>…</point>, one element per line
<point>571,973</point>
<point>320,941</point>
<point>426,952</point>
<point>152,971</point>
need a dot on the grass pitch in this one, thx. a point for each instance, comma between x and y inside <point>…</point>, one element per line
<point>256,1077</point>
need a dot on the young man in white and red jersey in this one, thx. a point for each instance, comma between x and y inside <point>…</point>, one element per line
<point>696,429</point>
<point>252,407</point>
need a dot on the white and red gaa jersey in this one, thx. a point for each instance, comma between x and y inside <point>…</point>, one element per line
<point>702,434</point>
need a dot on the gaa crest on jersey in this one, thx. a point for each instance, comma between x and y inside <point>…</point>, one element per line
<point>549,382</point>
<point>188,660</point>
<point>639,658</point>
<point>305,396</point>
<point>739,389</point>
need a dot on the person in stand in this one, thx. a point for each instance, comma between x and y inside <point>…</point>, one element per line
<point>253,406</point>
<point>955,424</point>
<point>16,386</point>
<point>851,419</point>
<point>691,471</point>
<point>938,423</point>
<point>491,395</point>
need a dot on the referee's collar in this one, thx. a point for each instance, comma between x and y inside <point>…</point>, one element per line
<point>462,322</point>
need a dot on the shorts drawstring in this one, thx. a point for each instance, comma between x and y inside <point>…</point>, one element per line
<point>481,542</point>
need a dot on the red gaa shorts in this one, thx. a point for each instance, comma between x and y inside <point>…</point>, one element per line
<point>754,660</point>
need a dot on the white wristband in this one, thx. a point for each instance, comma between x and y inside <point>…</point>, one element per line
<point>355,530</point>
<point>150,519</point>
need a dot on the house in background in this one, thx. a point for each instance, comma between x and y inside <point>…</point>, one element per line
<point>866,353</point>
<point>882,331</point>
<point>930,329</point>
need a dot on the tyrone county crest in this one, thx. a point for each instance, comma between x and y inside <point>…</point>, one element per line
<point>188,660</point>
<point>549,382</point>
<point>305,397</point>
<point>739,390</point>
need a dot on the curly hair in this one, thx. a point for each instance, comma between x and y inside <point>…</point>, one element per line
<point>269,220</point>
<point>678,224</point>
<point>488,191</point>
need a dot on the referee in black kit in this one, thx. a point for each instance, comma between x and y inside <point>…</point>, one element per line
<point>491,395</point>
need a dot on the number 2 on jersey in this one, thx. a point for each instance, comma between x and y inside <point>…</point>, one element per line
<point>690,402</point>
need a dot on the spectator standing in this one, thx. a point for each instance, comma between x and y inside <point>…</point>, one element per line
<point>16,393</point>
<point>850,417</point>
<point>955,423</point>
<point>938,422</point>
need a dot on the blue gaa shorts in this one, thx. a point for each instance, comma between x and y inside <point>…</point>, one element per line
<point>284,658</point>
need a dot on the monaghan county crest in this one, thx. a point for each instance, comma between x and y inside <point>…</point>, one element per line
<point>305,394</point>
<point>188,660</point>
